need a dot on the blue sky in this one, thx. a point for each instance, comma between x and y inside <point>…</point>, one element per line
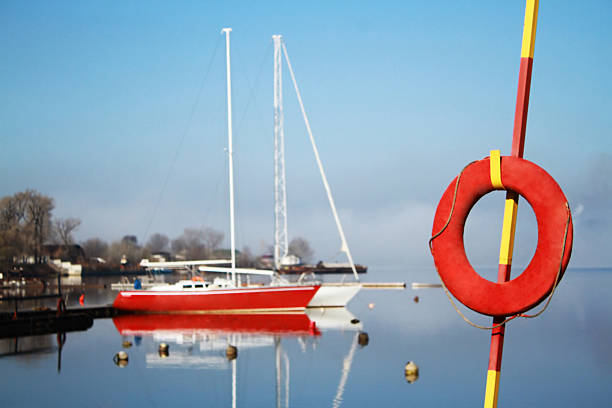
<point>117,110</point>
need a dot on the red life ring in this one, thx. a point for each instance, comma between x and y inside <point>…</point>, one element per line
<point>554,223</point>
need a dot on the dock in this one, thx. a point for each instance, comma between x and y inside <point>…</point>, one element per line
<point>419,285</point>
<point>48,321</point>
<point>384,285</point>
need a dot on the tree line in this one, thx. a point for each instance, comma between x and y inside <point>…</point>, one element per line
<point>27,225</point>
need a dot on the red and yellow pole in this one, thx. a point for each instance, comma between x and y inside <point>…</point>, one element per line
<point>511,206</point>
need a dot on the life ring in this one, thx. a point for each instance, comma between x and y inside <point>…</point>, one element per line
<point>197,279</point>
<point>555,235</point>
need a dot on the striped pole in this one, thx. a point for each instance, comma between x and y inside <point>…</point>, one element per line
<point>511,206</point>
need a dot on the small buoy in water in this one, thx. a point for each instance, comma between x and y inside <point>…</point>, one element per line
<point>126,344</point>
<point>363,339</point>
<point>82,299</point>
<point>354,321</point>
<point>371,305</point>
<point>411,372</point>
<point>416,299</point>
<point>163,350</point>
<point>121,359</point>
<point>231,352</point>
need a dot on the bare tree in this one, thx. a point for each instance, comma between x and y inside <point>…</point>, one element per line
<point>25,221</point>
<point>38,210</point>
<point>158,243</point>
<point>212,239</point>
<point>197,243</point>
<point>62,229</point>
<point>246,259</point>
<point>127,249</point>
<point>301,248</point>
<point>179,248</point>
<point>95,248</point>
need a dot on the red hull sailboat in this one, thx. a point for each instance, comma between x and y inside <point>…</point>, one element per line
<point>221,295</point>
<point>215,299</point>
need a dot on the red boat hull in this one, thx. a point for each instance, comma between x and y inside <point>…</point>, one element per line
<point>296,324</point>
<point>244,299</point>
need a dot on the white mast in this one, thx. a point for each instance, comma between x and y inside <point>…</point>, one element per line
<point>344,247</point>
<point>230,150</point>
<point>281,245</point>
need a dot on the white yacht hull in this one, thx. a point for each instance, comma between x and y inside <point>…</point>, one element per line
<point>334,294</point>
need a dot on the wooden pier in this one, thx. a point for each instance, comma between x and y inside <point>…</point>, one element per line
<point>48,321</point>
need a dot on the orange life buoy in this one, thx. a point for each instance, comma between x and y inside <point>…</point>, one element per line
<point>555,234</point>
<point>197,279</point>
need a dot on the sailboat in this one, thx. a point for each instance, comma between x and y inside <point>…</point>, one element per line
<point>329,294</point>
<point>221,295</point>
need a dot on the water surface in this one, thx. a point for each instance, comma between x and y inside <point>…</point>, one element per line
<point>560,359</point>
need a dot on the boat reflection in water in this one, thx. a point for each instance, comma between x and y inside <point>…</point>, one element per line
<point>201,338</point>
<point>203,341</point>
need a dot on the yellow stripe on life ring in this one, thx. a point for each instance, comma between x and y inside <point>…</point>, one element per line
<point>495,166</point>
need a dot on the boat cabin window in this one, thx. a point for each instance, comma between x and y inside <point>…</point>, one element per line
<point>188,286</point>
<point>199,285</point>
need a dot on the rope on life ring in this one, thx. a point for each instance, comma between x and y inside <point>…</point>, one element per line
<point>555,235</point>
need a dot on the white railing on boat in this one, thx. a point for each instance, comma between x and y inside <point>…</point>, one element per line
<point>245,271</point>
<point>145,263</point>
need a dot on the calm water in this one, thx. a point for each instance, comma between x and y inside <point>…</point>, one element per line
<point>561,359</point>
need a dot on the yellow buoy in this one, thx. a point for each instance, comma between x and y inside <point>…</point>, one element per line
<point>363,339</point>
<point>411,372</point>
<point>231,352</point>
<point>121,359</point>
<point>163,350</point>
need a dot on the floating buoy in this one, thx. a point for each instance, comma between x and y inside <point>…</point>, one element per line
<point>363,339</point>
<point>416,299</point>
<point>552,253</point>
<point>411,372</point>
<point>371,305</point>
<point>121,359</point>
<point>231,352</point>
<point>126,344</point>
<point>164,350</point>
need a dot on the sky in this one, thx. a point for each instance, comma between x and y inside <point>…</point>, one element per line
<point>117,110</point>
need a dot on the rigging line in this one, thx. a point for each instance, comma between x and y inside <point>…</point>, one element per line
<point>237,132</point>
<point>253,88</point>
<point>345,247</point>
<point>182,139</point>
<point>214,196</point>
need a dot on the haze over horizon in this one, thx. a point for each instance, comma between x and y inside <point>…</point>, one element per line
<point>118,112</point>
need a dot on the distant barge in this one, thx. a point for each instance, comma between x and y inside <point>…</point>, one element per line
<point>322,268</point>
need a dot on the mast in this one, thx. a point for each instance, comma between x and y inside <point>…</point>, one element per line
<point>281,245</point>
<point>344,247</point>
<point>230,151</point>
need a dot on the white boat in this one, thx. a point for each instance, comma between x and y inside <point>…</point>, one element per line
<point>334,294</point>
<point>329,295</point>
